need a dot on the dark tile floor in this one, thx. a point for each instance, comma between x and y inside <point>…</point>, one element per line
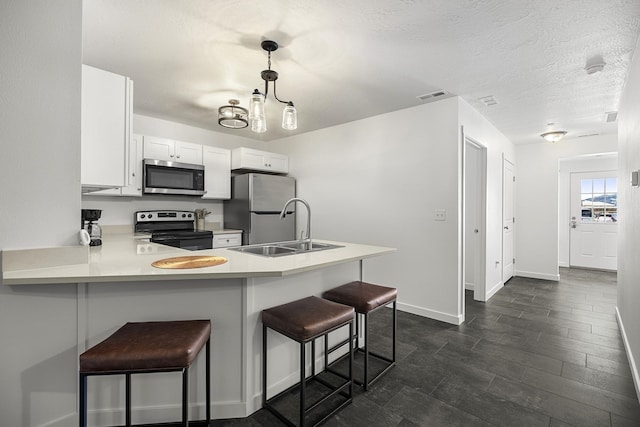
<point>539,353</point>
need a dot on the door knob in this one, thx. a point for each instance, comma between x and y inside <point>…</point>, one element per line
<point>506,227</point>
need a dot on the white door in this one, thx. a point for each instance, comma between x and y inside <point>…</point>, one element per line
<point>474,218</point>
<point>508,219</point>
<point>593,224</point>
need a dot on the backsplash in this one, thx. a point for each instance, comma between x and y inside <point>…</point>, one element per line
<point>120,210</point>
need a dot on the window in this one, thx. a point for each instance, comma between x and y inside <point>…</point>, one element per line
<point>599,199</point>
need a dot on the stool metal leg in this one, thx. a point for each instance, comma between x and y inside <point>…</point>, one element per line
<point>365,382</point>
<point>302,382</point>
<point>264,365</point>
<point>127,398</point>
<point>208,380</point>
<point>185,397</point>
<point>82,418</point>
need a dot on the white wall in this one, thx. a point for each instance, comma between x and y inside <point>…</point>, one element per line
<point>629,231</point>
<point>498,146</point>
<point>379,180</point>
<point>537,238</point>
<point>588,163</point>
<point>40,41</point>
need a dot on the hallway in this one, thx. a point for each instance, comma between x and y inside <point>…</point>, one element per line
<point>538,354</point>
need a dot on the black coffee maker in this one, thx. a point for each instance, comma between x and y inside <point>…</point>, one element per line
<point>89,218</point>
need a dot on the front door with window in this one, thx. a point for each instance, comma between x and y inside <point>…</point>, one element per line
<point>593,222</point>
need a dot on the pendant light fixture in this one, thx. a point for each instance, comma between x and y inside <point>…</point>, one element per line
<point>257,115</point>
<point>231,116</point>
<point>554,136</point>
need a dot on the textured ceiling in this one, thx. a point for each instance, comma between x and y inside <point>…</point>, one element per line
<point>341,61</point>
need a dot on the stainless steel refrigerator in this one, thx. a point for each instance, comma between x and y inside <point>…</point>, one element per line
<point>255,205</point>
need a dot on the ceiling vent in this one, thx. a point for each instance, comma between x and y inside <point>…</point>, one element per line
<point>432,95</point>
<point>488,100</point>
<point>611,116</point>
<point>587,135</point>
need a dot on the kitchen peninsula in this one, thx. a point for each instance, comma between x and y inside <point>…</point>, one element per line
<point>116,283</point>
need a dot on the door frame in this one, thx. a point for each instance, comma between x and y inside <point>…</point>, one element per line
<point>505,160</point>
<point>480,186</point>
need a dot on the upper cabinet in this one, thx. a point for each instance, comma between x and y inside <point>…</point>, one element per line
<point>105,128</point>
<point>172,151</point>
<point>248,158</point>
<point>133,184</point>
<point>217,172</point>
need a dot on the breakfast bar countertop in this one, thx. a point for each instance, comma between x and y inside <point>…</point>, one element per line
<point>125,257</point>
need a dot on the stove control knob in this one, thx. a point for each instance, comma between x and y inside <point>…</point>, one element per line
<point>190,215</point>
<point>184,215</point>
<point>150,215</point>
<point>142,216</point>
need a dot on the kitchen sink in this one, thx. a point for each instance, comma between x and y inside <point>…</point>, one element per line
<point>284,248</point>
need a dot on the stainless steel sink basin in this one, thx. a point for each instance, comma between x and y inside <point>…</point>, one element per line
<point>266,250</point>
<point>284,248</point>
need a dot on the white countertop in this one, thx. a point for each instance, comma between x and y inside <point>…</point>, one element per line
<point>125,257</point>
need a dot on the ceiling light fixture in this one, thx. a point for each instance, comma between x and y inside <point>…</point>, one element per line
<point>554,136</point>
<point>257,115</point>
<point>231,116</point>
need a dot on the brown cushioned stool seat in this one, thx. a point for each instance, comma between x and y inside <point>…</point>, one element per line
<point>146,347</point>
<point>365,298</point>
<point>303,321</point>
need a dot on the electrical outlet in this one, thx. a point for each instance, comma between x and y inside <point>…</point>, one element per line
<point>440,215</point>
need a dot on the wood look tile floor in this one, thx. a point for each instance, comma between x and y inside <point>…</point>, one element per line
<point>539,353</point>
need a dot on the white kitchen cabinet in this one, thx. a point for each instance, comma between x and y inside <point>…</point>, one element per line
<point>105,130</point>
<point>227,240</point>
<point>248,158</point>
<point>133,184</point>
<point>172,151</point>
<point>217,172</point>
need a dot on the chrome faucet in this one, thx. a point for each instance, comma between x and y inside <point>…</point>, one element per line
<point>283,213</point>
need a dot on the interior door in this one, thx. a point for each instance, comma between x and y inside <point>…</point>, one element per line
<point>593,233</point>
<point>508,219</point>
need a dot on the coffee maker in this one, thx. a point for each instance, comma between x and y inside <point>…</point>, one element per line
<point>89,218</point>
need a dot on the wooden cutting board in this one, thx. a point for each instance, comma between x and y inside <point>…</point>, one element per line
<point>189,262</point>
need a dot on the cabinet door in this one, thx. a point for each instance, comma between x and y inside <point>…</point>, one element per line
<point>217,172</point>
<point>277,162</point>
<point>158,148</point>
<point>105,127</point>
<point>187,152</point>
<point>134,167</point>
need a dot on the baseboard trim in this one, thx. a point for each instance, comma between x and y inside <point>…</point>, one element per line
<point>431,314</point>
<point>494,289</point>
<point>627,347</point>
<point>543,276</point>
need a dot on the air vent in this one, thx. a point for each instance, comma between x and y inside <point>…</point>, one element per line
<point>588,134</point>
<point>611,116</point>
<point>488,100</point>
<point>432,95</point>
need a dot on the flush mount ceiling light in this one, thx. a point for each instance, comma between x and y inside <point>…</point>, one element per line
<point>231,116</point>
<point>257,115</point>
<point>554,136</point>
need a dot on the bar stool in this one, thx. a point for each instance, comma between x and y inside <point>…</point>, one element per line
<point>303,321</point>
<point>148,347</point>
<point>365,298</point>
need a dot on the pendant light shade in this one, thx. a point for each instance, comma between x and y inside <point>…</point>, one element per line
<point>290,117</point>
<point>256,106</point>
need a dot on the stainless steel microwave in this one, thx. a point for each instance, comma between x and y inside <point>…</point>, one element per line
<point>162,177</point>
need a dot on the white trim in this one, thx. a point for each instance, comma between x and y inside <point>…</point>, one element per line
<point>627,347</point>
<point>469,287</point>
<point>431,314</point>
<point>532,275</point>
<point>494,289</point>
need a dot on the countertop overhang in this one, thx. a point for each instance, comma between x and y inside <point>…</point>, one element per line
<point>125,258</point>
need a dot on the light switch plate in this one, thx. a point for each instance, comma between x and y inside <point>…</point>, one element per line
<point>634,178</point>
<point>440,215</point>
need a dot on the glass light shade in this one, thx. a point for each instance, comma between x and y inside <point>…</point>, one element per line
<point>259,126</point>
<point>554,136</point>
<point>231,116</point>
<point>256,106</point>
<point>289,117</point>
